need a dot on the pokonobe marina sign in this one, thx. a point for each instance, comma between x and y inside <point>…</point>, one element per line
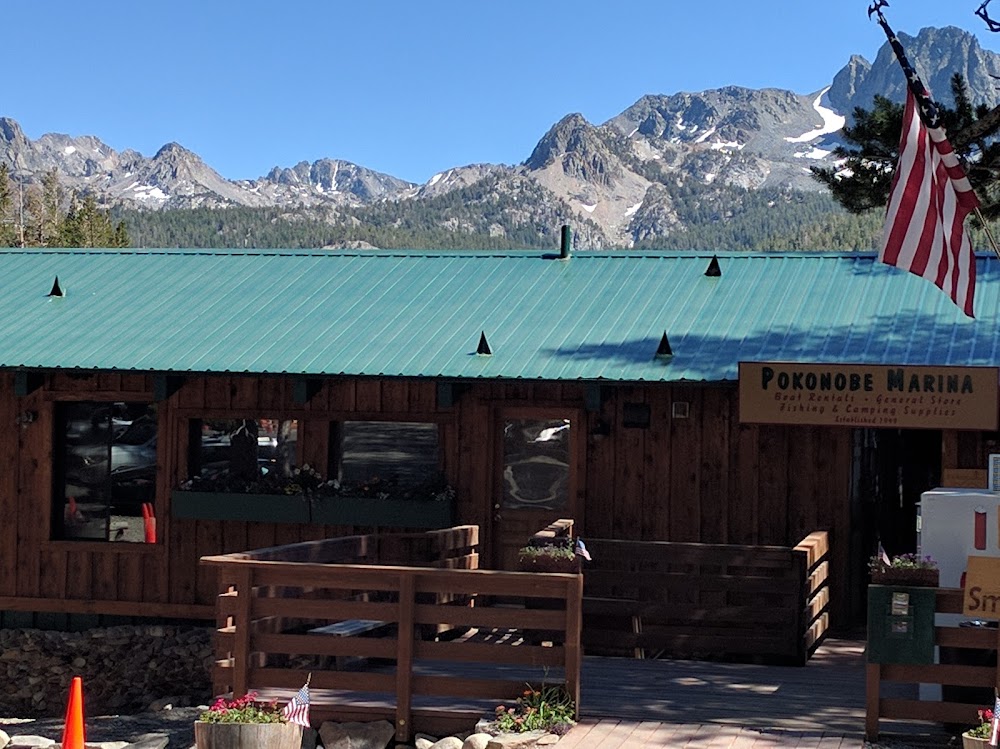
<point>869,395</point>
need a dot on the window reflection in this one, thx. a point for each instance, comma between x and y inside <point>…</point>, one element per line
<point>398,454</point>
<point>108,469</point>
<point>536,463</point>
<point>245,449</point>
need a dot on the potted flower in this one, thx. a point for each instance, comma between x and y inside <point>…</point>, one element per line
<point>979,737</point>
<point>557,557</point>
<point>904,569</point>
<point>245,723</point>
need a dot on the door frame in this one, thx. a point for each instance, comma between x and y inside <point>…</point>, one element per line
<point>577,470</point>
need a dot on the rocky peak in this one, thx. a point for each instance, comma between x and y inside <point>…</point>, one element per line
<point>937,54</point>
<point>580,149</point>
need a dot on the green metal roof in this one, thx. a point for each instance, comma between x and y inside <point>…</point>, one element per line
<point>595,316</point>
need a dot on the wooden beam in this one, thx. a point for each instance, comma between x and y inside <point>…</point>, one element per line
<point>113,608</point>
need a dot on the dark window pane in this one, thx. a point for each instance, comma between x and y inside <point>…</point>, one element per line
<point>399,454</point>
<point>107,471</point>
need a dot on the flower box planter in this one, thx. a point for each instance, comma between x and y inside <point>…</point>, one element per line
<point>372,511</point>
<point>267,508</point>
<point>546,563</point>
<point>297,508</point>
<point>247,735</point>
<point>908,576</point>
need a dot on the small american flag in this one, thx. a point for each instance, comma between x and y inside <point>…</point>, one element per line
<point>995,730</point>
<point>297,710</point>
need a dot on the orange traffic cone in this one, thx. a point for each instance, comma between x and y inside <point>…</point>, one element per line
<point>73,734</point>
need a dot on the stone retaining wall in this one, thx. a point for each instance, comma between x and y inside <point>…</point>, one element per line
<point>124,669</point>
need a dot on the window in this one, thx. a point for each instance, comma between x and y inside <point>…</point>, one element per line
<point>243,450</point>
<point>399,455</point>
<point>105,472</point>
<point>536,458</point>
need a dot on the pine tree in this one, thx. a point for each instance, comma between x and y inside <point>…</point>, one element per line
<point>7,218</point>
<point>862,182</point>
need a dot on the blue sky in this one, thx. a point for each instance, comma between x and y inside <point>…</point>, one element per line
<point>407,88</point>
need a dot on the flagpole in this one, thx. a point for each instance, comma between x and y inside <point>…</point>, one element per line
<point>989,234</point>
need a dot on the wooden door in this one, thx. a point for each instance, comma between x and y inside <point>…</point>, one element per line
<point>538,462</point>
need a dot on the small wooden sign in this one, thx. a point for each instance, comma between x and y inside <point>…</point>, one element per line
<point>981,597</point>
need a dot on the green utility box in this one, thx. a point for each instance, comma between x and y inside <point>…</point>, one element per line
<point>900,624</point>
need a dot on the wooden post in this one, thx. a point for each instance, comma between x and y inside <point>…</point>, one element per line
<point>574,626</point>
<point>241,644</point>
<point>872,679</point>
<point>404,657</point>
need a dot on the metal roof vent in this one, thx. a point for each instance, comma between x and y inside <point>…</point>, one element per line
<point>714,271</point>
<point>664,351</point>
<point>484,347</point>
<point>566,245</point>
<point>56,289</point>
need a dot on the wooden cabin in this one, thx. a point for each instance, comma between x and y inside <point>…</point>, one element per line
<point>642,394</point>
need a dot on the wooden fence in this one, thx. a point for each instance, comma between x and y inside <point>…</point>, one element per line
<point>280,606</point>
<point>689,599</point>
<point>976,642</point>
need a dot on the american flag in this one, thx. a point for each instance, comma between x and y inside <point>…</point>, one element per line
<point>297,710</point>
<point>995,730</point>
<point>931,196</point>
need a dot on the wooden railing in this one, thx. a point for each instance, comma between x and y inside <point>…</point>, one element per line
<point>983,639</point>
<point>646,598</point>
<point>271,609</point>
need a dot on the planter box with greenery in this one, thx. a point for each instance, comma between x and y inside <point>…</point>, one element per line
<point>905,569</point>
<point>551,558</point>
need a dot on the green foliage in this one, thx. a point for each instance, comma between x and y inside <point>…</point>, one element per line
<point>863,180</point>
<point>42,220</point>
<point>245,709</point>
<point>985,728</point>
<point>7,218</point>
<point>549,709</point>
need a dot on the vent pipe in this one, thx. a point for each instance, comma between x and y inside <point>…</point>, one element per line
<point>566,245</point>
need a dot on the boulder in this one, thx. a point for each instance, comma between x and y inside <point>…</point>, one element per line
<point>448,742</point>
<point>515,740</point>
<point>4,739</point>
<point>477,741</point>
<point>30,742</point>
<point>423,741</point>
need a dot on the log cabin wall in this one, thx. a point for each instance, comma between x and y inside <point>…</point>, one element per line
<point>702,478</point>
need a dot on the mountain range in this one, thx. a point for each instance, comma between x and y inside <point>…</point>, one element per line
<point>649,173</point>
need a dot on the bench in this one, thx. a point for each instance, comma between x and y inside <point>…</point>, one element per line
<point>348,628</point>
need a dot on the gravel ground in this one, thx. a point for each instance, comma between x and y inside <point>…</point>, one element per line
<point>178,724</point>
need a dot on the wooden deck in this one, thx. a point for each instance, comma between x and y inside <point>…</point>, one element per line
<point>630,704</point>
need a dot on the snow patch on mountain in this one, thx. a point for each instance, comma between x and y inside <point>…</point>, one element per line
<point>832,122</point>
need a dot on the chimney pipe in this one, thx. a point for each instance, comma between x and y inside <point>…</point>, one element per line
<point>566,246</point>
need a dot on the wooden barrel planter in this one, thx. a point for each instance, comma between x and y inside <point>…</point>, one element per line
<point>247,735</point>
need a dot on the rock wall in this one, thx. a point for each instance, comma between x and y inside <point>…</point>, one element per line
<point>124,669</point>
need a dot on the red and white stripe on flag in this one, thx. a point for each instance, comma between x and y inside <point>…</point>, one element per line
<point>925,222</point>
